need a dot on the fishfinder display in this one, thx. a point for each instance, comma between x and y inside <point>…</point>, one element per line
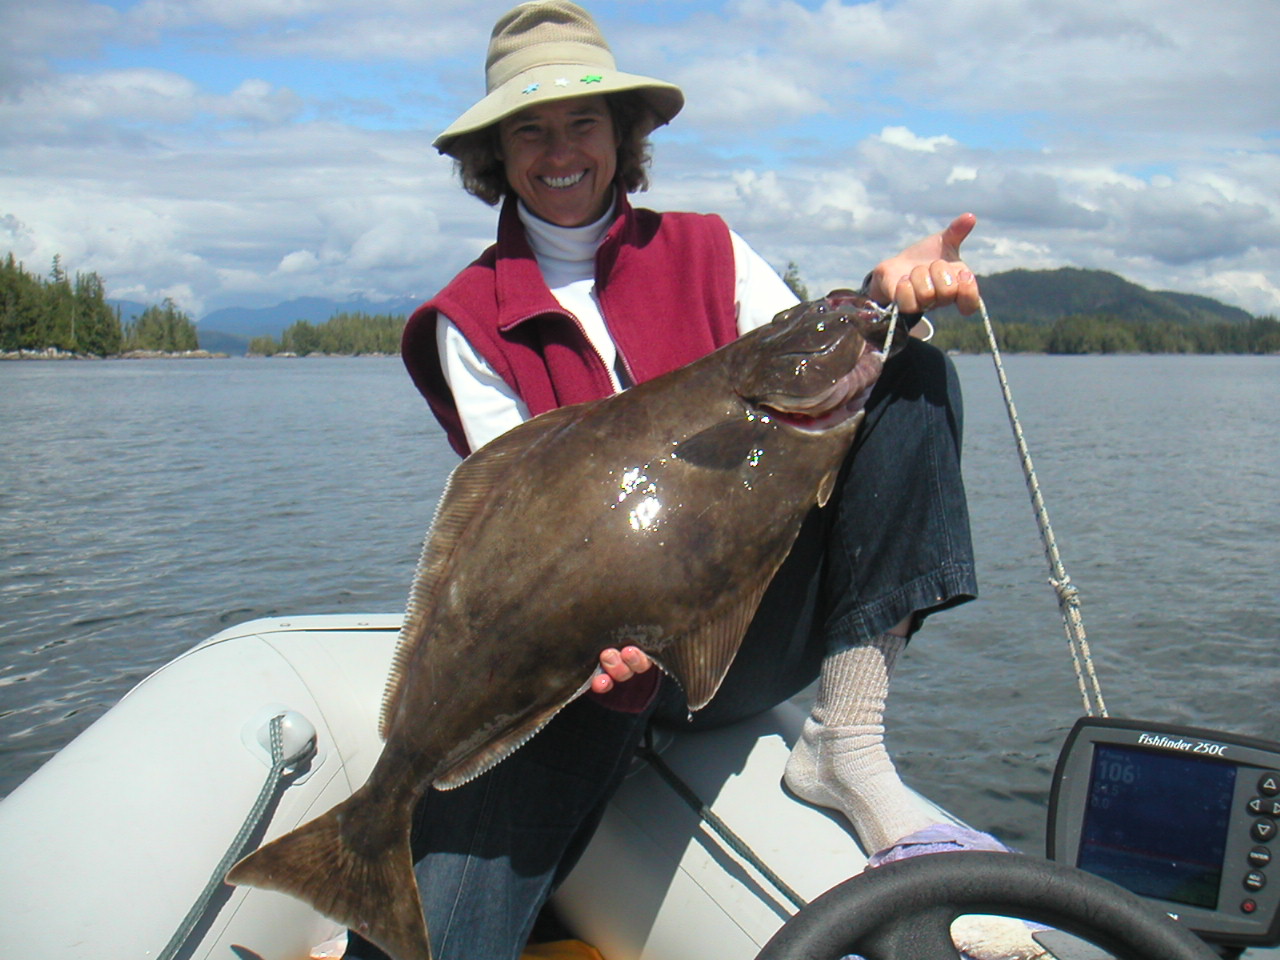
<point>1156,823</point>
<point>1184,817</point>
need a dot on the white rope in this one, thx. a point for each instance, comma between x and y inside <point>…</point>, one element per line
<point>889,313</point>
<point>1068,595</point>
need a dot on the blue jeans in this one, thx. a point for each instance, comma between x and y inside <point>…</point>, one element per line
<point>892,543</point>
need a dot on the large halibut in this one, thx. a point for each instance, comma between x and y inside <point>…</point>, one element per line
<point>656,517</point>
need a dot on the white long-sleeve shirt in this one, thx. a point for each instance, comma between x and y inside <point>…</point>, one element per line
<point>566,255</point>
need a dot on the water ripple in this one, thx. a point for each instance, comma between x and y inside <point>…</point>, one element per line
<point>148,505</point>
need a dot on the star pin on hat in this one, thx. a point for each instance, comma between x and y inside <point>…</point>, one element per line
<point>552,50</point>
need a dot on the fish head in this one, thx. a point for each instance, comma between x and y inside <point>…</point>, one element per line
<point>814,366</point>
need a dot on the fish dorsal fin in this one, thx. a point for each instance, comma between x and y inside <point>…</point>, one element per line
<point>700,659</point>
<point>494,753</point>
<point>465,493</point>
<point>724,446</point>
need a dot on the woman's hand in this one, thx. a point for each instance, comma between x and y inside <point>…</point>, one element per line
<point>619,666</point>
<point>929,274</point>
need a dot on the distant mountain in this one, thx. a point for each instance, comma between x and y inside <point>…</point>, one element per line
<point>1017,296</point>
<point>230,329</point>
<point>1044,296</point>
<point>130,310</point>
<point>271,321</point>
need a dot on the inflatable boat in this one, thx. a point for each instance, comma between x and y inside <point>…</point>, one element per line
<point>115,848</point>
<point>108,846</point>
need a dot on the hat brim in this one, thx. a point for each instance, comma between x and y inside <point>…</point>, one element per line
<point>550,82</point>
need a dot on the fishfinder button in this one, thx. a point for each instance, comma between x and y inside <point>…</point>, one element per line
<point>1255,880</point>
<point>1269,785</point>
<point>1262,807</point>
<point>1259,856</point>
<point>1263,829</point>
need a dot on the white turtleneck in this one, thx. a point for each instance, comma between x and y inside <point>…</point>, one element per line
<point>566,257</point>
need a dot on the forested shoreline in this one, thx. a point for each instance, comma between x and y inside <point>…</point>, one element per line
<point>1099,331</point>
<point>1102,334</point>
<point>64,315</point>
<point>344,334</point>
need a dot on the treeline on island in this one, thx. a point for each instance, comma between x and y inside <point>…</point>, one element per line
<point>348,334</point>
<point>1061,311</point>
<point>71,315</point>
<point>1097,333</point>
<point>1073,311</point>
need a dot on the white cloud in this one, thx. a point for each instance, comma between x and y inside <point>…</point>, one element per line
<point>905,139</point>
<point>133,104</point>
<point>298,262</point>
<point>1246,287</point>
<point>139,95</point>
<point>1118,134</point>
<point>744,89</point>
<point>30,32</point>
<point>257,101</point>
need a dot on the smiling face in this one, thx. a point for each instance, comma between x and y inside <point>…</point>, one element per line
<point>560,159</point>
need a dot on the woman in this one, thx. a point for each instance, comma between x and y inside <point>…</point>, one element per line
<point>582,296</point>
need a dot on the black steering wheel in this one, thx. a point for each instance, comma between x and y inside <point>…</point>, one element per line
<point>904,911</point>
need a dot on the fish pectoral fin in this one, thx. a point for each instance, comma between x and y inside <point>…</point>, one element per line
<point>491,754</point>
<point>725,446</point>
<point>700,659</point>
<point>826,487</point>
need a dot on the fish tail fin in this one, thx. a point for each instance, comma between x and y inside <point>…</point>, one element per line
<point>352,864</point>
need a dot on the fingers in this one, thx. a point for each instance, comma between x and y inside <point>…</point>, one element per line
<point>939,283</point>
<point>619,666</point>
<point>930,273</point>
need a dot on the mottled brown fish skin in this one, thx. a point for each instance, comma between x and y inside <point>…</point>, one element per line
<point>655,517</point>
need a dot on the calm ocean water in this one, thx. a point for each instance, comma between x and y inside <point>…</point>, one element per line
<point>145,505</point>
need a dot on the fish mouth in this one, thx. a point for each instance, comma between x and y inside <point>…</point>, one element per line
<point>842,401</point>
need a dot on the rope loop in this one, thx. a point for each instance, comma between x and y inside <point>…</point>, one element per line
<point>1066,589</point>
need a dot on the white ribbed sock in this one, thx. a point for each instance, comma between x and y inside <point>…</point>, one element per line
<point>840,760</point>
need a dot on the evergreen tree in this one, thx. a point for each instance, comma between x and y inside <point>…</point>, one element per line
<point>98,329</point>
<point>348,334</point>
<point>301,338</point>
<point>1264,335</point>
<point>164,328</point>
<point>36,314</point>
<point>60,304</point>
<point>792,279</point>
<point>1091,334</point>
<point>23,318</point>
<point>263,347</point>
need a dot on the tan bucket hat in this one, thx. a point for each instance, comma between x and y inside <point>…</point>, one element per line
<point>551,50</point>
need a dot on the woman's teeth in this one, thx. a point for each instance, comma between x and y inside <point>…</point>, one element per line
<point>562,182</point>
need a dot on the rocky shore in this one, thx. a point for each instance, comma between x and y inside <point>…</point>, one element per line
<point>53,353</point>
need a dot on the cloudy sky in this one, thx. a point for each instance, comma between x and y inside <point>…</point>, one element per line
<point>244,152</point>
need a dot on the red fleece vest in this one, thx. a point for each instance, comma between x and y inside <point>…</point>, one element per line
<point>665,283</point>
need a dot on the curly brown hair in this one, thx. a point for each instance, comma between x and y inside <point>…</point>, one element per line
<point>477,160</point>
